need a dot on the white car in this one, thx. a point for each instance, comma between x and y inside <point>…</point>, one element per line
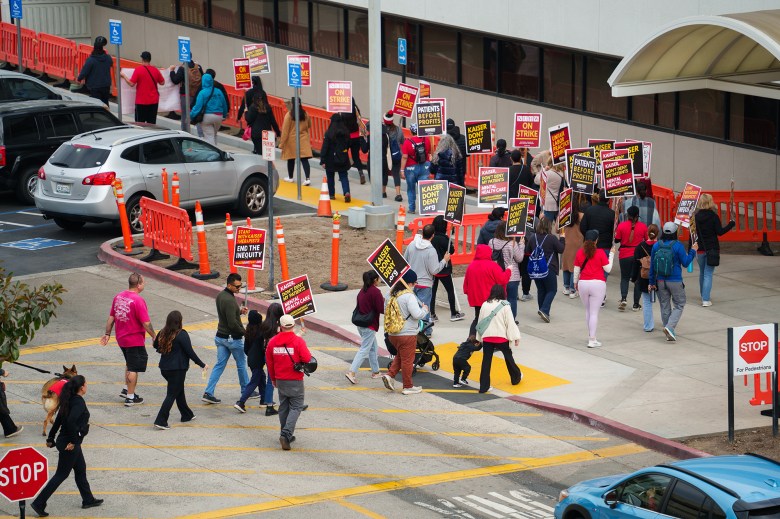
<point>21,87</point>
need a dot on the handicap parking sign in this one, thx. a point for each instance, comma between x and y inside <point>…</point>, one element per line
<point>184,49</point>
<point>16,9</point>
<point>294,75</point>
<point>115,32</point>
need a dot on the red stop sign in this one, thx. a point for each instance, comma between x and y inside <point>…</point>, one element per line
<point>754,346</point>
<point>23,473</point>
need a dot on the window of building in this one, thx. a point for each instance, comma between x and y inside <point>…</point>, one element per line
<point>653,109</point>
<point>294,24</point>
<point>394,29</point>
<point>753,120</point>
<point>703,112</point>
<point>478,61</point>
<point>440,53</point>
<point>328,30</point>
<point>226,16</point>
<point>165,9</point>
<point>190,11</point>
<point>132,5</point>
<point>562,78</point>
<point>357,36</point>
<point>519,70</point>
<point>259,20</point>
<point>598,93</point>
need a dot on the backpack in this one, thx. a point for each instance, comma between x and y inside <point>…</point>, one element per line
<point>194,75</point>
<point>537,263</point>
<point>419,152</point>
<point>644,264</point>
<point>394,318</point>
<point>395,151</point>
<point>498,256</point>
<point>663,262</point>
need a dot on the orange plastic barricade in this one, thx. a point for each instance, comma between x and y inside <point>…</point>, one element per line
<point>234,103</point>
<point>57,56</point>
<point>8,44</point>
<point>756,214</point>
<point>167,229</point>
<point>465,239</point>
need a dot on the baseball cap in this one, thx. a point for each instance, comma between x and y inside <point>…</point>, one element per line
<point>146,55</point>
<point>286,321</point>
<point>670,228</point>
<point>388,118</point>
<point>413,129</point>
<point>410,276</point>
<point>591,235</point>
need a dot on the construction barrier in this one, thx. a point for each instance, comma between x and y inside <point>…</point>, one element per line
<point>29,45</point>
<point>465,239</point>
<point>167,229</point>
<point>204,269</point>
<point>57,56</point>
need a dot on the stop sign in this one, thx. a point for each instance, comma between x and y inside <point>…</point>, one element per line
<point>23,473</point>
<point>753,346</point>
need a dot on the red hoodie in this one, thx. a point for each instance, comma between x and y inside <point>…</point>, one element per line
<point>280,366</point>
<point>481,275</point>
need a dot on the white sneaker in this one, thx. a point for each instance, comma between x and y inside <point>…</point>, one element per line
<point>593,343</point>
<point>706,303</point>
<point>412,390</point>
<point>307,182</point>
<point>351,377</point>
<point>574,295</point>
<point>388,381</point>
<point>566,291</point>
<point>526,297</point>
<point>288,179</point>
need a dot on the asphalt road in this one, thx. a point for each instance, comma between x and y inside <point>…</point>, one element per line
<point>52,248</point>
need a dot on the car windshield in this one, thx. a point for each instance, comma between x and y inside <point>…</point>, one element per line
<point>77,156</point>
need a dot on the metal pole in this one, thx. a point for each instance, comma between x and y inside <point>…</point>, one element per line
<point>186,115</point>
<point>774,388</point>
<point>22,506</point>
<point>271,230</point>
<point>118,86</point>
<point>375,105</point>
<point>19,44</point>
<point>298,139</point>
<point>730,379</point>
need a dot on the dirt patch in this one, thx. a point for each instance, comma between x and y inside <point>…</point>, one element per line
<point>308,240</point>
<point>759,441</point>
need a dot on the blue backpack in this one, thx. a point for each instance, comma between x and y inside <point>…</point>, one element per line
<point>663,262</point>
<point>538,267</point>
<point>395,151</point>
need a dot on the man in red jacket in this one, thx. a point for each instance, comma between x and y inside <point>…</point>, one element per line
<point>480,277</point>
<point>284,351</point>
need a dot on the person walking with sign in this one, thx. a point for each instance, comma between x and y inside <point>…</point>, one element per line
<point>369,305</point>
<point>446,161</point>
<point>287,141</point>
<point>508,253</point>
<point>210,109</point>
<point>591,264</point>
<point>357,133</point>
<point>443,245</point>
<point>629,234</point>
<point>415,163</point>
<point>254,347</point>
<point>334,156</point>
<point>481,274</point>
<point>423,259</point>
<point>601,218</point>
<point>283,356</point>
<point>706,229</point>
<point>668,258</point>
<point>260,118</point>
<point>96,72</point>
<point>145,80</point>
<point>543,264</point>
<point>641,273</point>
<point>72,423</point>
<point>395,140</point>
<point>555,183</point>
<point>497,330</point>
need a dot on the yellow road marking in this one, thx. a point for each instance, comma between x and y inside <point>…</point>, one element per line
<point>193,470</point>
<point>327,474</point>
<point>167,494</point>
<point>419,481</point>
<point>310,195</point>
<point>357,508</point>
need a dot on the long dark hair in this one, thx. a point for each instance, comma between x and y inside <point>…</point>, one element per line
<point>397,288</point>
<point>497,293</point>
<point>169,332</point>
<point>70,388</point>
<point>337,129</point>
<point>253,331</point>
<point>590,248</point>
<point>270,325</point>
<point>369,277</point>
<point>301,111</point>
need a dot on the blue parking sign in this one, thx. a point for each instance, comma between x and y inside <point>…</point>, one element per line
<point>16,9</point>
<point>184,49</point>
<point>115,32</point>
<point>294,75</point>
<point>402,51</point>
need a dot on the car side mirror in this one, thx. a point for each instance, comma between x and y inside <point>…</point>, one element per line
<point>226,156</point>
<point>610,498</point>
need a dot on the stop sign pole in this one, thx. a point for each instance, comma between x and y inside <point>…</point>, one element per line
<point>23,473</point>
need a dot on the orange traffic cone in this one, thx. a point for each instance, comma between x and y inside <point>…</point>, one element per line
<point>323,209</point>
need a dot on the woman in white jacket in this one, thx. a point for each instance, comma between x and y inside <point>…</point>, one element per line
<point>498,333</point>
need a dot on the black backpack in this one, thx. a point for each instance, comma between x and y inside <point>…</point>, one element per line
<point>419,152</point>
<point>498,256</point>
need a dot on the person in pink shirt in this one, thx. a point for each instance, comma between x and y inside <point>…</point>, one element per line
<point>629,234</point>
<point>145,80</point>
<point>131,319</point>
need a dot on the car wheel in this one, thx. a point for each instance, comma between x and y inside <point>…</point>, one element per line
<point>69,225</point>
<point>252,199</point>
<point>25,187</point>
<point>133,208</point>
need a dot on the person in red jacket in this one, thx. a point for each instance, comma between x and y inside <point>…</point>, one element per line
<point>480,277</point>
<point>285,350</point>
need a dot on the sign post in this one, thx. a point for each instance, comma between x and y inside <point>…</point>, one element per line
<point>23,473</point>
<point>16,14</point>
<point>115,37</point>
<point>295,81</point>
<point>185,55</point>
<point>402,47</point>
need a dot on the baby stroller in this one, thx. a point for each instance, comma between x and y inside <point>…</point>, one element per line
<point>424,353</point>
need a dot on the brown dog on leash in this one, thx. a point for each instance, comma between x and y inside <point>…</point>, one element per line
<point>50,393</point>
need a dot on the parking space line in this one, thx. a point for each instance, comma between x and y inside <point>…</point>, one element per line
<point>28,213</point>
<point>359,509</point>
<point>2,222</point>
<point>420,481</point>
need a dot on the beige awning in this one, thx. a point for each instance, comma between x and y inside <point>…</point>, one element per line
<point>734,52</point>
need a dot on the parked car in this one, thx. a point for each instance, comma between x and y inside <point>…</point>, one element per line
<point>30,131</point>
<point>75,184</point>
<point>21,87</point>
<point>735,487</point>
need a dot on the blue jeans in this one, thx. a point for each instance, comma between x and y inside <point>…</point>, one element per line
<point>511,294</point>
<point>343,178</point>
<point>226,348</point>
<point>424,295</point>
<point>368,348</point>
<point>545,291</point>
<point>647,312</point>
<point>413,174</point>
<point>551,215</point>
<point>606,274</point>
<point>705,277</point>
<point>568,280</point>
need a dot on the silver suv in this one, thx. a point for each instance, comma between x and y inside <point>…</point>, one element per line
<point>75,184</point>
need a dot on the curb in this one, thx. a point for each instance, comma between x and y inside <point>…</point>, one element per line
<point>645,439</point>
<point>108,255</point>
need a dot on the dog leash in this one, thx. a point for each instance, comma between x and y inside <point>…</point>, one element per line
<point>39,370</point>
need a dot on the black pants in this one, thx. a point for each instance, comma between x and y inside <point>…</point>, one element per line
<point>103,93</point>
<point>460,365</point>
<point>291,167</point>
<point>395,171</point>
<point>354,149</point>
<point>175,393</point>
<point>473,327</point>
<point>525,279</point>
<point>487,361</point>
<point>446,281</point>
<point>146,113</point>
<point>69,460</point>
<point>626,266</point>
<point>5,415</point>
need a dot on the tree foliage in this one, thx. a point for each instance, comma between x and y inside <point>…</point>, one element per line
<point>23,310</point>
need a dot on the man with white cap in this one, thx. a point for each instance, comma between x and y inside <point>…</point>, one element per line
<point>668,258</point>
<point>284,351</point>
<point>416,163</point>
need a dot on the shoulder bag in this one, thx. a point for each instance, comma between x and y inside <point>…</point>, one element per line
<point>362,320</point>
<point>483,323</point>
<point>199,116</point>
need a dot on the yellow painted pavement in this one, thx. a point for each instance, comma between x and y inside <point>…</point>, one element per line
<point>310,195</point>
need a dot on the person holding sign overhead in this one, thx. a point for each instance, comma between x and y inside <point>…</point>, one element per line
<point>334,156</point>
<point>415,163</point>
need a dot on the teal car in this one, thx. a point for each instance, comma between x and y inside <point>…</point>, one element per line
<point>720,487</point>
